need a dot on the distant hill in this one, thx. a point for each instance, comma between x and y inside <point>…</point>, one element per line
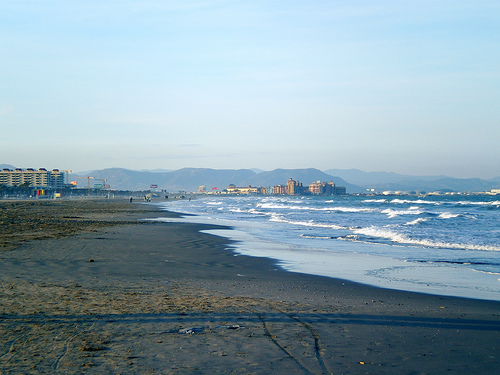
<point>189,179</point>
<point>495,180</point>
<point>119,178</point>
<point>358,177</point>
<point>156,170</point>
<point>443,184</point>
<point>6,166</point>
<point>382,181</point>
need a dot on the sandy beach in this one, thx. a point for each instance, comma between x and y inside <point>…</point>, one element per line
<point>86,287</point>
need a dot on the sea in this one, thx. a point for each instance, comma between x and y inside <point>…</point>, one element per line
<point>444,245</point>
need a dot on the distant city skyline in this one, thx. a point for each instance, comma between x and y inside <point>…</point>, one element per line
<point>405,87</point>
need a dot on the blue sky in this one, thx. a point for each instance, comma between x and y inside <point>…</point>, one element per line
<point>411,87</point>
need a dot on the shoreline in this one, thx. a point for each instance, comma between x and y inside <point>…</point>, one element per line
<point>355,266</point>
<point>165,298</point>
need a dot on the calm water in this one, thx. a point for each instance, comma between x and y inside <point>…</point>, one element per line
<point>439,244</point>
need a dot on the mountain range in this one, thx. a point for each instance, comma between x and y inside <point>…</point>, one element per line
<point>382,181</point>
<point>355,181</point>
<point>189,179</point>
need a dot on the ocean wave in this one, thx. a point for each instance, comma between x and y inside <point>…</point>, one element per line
<point>394,213</point>
<point>316,237</point>
<point>309,208</point>
<point>448,215</point>
<point>417,221</point>
<point>350,209</point>
<point>252,211</point>
<point>493,204</point>
<point>400,238</point>
<point>374,201</point>
<point>349,237</point>
<point>419,201</point>
<point>280,219</point>
<point>486,272</point>
<point>280,206</point>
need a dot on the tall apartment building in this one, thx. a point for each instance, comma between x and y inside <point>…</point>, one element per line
<point>37,179</point>
<point>294,187</point>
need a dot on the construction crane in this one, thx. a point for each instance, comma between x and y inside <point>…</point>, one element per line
<point>88,182</point>
<point>68,171</point>
<point>103,182</point>
<point>93,178</point>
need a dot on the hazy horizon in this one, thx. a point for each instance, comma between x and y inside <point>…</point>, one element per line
<point>405,87</point>
<point>256,170</point>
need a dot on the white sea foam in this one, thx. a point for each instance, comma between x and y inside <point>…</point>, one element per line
<point>316,237</point>
<point>417,221</point>
<point>419,201</point>
<point>466,203</point>
<point>393,213</point>
<point>280,219</point>
<point>351,209</point>
<point>448,215</point>
<point>309,208</point>
<point>403,239</point>
<point>485,272</point>
<point>279,206</point>
<point>257,212</point>
<point>252,211</point>
<point>214,203</point>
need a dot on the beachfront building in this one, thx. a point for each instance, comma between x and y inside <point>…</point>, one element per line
<point>269,190</point>
<point>326,188</point>
<point>294,187</point>
<point>233,189</point>
<point>279,190</point>
<point>37,179</point>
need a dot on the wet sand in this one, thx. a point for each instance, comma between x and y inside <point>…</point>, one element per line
<point>85,287</point>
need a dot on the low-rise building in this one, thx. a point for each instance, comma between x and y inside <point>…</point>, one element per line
<point>279,190</point>
<point>292,187</point>
<point>233,189</point>
<point>326,188</point>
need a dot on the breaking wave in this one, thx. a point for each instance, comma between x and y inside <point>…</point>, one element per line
<point>310,223</point>
<point>309,208</point>
<point>394,213</point>
<point>448,215</point>
<point>372,233</point>
<point>417,221</point>
<point>419,201</point>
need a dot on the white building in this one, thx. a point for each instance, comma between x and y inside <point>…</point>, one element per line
<point>37,179</point>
